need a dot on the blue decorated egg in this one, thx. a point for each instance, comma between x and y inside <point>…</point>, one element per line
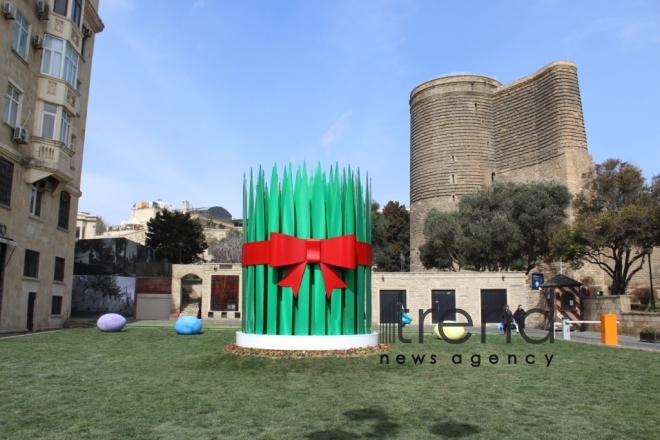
<point>188,325</point>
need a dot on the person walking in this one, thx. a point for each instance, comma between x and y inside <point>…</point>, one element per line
<point>519,317</point>
<point>506,318</point>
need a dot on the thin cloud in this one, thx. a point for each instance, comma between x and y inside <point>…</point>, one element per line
<point>337,130</point>
<point>199,4</point>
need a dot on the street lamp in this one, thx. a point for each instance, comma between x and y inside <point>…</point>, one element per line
<point>180,246</point>
<point>648,251</point>
<point>403,259</point>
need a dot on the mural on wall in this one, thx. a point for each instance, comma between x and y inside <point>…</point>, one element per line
<point>104,274</point>
<point>99,294</point>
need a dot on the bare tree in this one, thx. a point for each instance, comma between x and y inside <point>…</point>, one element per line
<point>106,285</point>
<point>228,249</point>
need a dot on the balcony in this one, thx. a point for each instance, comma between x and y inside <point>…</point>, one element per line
<point>63,27</point>
<point>49,158</point>
<point>58,92</point>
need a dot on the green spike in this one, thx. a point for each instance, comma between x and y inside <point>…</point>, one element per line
<point>367,229</point>
<point>319,232</point>
<point>360,270</point>
<point>260,269</point>
<point>349,274</point>
<point>303,230</point>
<point>335,229</point>
<point>249,306</point>
<point>287,226</point>
<point>244,236</point>
<point>273,274</point>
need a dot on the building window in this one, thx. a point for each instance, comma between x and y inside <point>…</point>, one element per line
<point>48,119</point>
<point>11,105</point>
<point>72,142</point>
<point>35,202</point>
<point>77,12</point>
<point>31,267</point>
<point>77,231</point>
<point>64,130</point>
<point>60,60</point>
<point>71,66</point>
<point>60,7</point>
<point>65,207</point>
<point>59,269</point>
<point>51,63</point>
<point>6,181</point>
<point>20,38</point>
<point>56,307</point>
<point>568,301</point>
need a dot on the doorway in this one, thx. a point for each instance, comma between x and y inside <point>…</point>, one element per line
<point>191,296</point>
<point>3,253</point>
<point>389,305</point>
<point>32,298</point>
<point>492,305</point>
<point>224,293</point>
<point>441,301</point>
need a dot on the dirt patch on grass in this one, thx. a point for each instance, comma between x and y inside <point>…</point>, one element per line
<point>275,354</point>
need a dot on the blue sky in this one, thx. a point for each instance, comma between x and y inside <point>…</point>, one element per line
<point>187,96</point>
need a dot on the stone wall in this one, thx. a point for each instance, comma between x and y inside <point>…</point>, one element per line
<point>468,130</point>
<point>467,285</point>
<point>630,323</point>
<point>418,288</point>
<point>641,278</point>
<point>204,272</point>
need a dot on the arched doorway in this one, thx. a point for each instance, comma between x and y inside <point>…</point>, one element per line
<point>191,296</point>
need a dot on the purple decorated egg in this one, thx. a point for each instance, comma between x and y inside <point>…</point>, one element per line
<point>111,322</point>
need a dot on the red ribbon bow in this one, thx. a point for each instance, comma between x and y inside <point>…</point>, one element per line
<point>330,253</point>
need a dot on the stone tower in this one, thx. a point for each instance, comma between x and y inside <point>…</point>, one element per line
<point>468,130</point>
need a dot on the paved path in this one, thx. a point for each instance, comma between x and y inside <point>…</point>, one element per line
<point>576,336</point>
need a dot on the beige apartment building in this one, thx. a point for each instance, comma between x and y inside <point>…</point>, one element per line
<point>47,49</point>
<point>216,220</point>
<point>89,225</point>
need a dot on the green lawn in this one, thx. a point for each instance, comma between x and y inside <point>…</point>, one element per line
<point>149,383</point>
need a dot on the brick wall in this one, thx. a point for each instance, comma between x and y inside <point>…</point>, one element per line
<point>153,285</point>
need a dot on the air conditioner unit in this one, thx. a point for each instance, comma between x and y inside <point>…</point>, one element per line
<point>43,10</point>
<point>9,11</point>
<point>21,135</point>
<point>87,33</point>
<point>46,186</point>
<point>38,42</point>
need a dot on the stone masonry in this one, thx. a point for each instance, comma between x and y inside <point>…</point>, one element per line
<point>469,130</point>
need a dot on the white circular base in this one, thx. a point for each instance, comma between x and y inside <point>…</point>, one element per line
<point>281,342</point>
